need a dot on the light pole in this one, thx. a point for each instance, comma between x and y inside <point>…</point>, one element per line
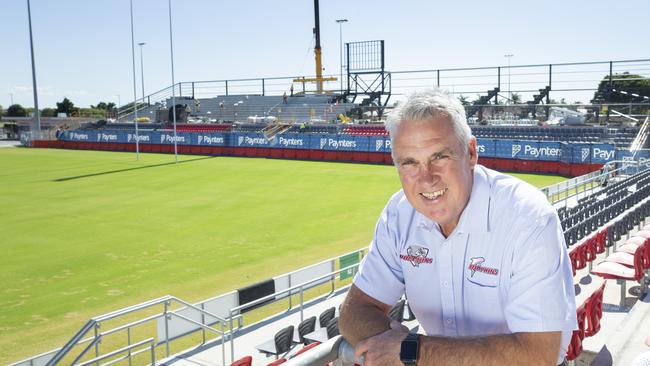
<point>171,50</point>
<point>37,114</point>
<point>142,68</point>
<point>135,92</point>
<point>11,95</point>
<point>341,21</point>
<point>509,56</point>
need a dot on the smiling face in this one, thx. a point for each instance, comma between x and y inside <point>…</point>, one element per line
<point>436,171</point>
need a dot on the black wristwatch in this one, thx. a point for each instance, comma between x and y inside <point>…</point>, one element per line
<point>408,354</point>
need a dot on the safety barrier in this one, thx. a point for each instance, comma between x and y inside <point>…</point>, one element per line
<point>220,315</point>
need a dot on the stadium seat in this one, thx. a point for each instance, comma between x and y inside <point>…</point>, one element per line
<point>617,271</point>
<point>305,327</point>
<point>280,344</point>
<point>575,347</point>
<point>326,316</point>
<point>333,328</point>
<point>306,348</point>
<point>594,311</point>
<point>244,361</point>
<point>277,362</point>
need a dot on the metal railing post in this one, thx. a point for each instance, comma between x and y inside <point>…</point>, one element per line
<point>153,354</point>
<point>203,322</point>
<point>223,344</point>
<point>232,340</point>
<point>302,316</point>
<point>128,339</point>
<point>290,294</point>
<point>166,304</point>
<point>96,330</point>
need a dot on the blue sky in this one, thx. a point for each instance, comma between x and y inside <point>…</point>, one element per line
<point>83,47</point>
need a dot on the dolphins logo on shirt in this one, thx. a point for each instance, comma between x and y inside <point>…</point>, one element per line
<point>476,264</point>
<point>416,255</point>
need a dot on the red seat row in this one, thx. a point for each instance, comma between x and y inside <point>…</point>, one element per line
<point>589,315</point>
<point>588,250</point>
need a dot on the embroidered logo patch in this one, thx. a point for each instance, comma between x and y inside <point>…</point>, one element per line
<point>416,255</point>
<point>476,265</point>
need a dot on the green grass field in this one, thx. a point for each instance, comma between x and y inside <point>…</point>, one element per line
<point>84,232</point>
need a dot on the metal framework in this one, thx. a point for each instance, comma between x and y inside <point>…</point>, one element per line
<point>366,76</point>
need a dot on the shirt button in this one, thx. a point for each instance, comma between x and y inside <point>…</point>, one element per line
<point>446,284</point>
<point>450,321</point>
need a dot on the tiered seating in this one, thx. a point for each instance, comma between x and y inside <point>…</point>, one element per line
<point>248,127</point>
<point>592,212</point>
<point>315,128</point>
<point>123,126</point>
<point>365,130</point>
<point>625,202</point>
<point>548,133</point>
<point>184,127</point>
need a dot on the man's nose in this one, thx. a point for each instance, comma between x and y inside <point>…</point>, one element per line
<point>428,173</point>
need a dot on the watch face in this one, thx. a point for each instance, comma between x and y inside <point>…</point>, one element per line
<point>409,351</point>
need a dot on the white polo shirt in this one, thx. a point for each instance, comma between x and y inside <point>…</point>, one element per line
<point>504,269</point>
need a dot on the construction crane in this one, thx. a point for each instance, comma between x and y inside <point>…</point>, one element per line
<point>317,54</point>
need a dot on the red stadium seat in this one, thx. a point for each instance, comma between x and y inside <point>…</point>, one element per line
<point>278,362</point>
<point>245,361</point>
<point>643,233</point>
<point>616,271</point>
<point>594,311</point>
<point>590,249</point>
<point>575,347</point>
<point>601,240</point>
<point>306,348</point>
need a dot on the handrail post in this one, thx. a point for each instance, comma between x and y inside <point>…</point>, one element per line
<point>96,330</point>
<point>128,337</point>
<point>203,322</point>
<point>223,344</point>
<point>232,340</point>
<point>166,304</point>
<point>302,316</point>
<point>290,294</point>
<point>153,354</point>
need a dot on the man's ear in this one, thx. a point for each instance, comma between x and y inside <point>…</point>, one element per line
<point>472,153</point>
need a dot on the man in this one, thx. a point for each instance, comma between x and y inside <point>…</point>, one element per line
<point>479,255</point>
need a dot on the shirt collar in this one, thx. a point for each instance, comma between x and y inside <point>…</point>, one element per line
<point>475,216</point>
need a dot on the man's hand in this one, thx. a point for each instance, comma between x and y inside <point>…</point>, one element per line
<point>384,348</point>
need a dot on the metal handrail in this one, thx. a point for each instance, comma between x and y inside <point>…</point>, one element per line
<point>94,324</point>
<point>569,188</point>
<point>122,350</point>
<point>299,287</point>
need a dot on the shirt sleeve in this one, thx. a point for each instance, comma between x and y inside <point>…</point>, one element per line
<point>380,273</point>
<point>541,296</point>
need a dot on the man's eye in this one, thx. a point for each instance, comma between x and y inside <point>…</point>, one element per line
<point>440,156</point>
<point>408,162</point>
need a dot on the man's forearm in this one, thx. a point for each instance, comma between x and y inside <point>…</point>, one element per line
<point>360,320</point>
<point>506,349</point>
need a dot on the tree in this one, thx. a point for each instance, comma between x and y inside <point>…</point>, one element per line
<point>1,111</point>
<point>48,112</point>
<point>515,98</point>
<point>66,106</point>
<point>623,87</point>
<point>463,100</point>
<point>16,110</point>
<point>103,105</point>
